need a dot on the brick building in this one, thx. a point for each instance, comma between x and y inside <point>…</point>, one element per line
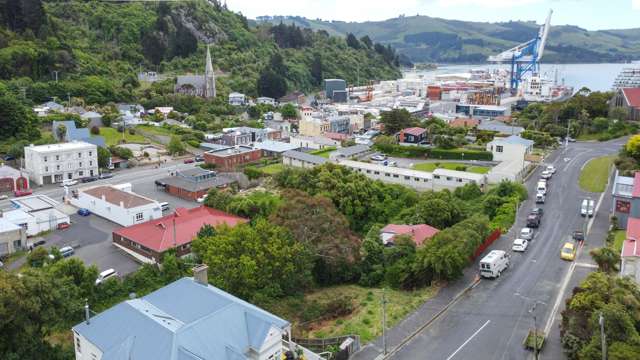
<point>229,159</point>
<point>194,183</point>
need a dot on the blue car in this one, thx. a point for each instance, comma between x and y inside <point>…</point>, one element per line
<point>84,212</point>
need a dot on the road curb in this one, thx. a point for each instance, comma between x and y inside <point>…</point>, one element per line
<point>457,297</point>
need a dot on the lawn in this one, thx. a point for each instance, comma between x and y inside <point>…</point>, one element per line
<point>595,174</point>
<point>157,130</point>
<point>621,235</point>
<point>272,169</point>
<point>429,167</point>
<point>308,313</point>
<point>113,137</point>
<point>324,152</point>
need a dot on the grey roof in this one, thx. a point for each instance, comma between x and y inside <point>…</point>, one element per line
<point>193,80</point>
<point>515,139</point>
<point>91,115</point>
<point>79,134</point>
<point>351,150</point>
<point>181,321</point>
<point>8,171</point>
<point>501,128</point>
<point>302,156</point>
<point>6,226</point>
<point>623,186</point>
<point>193,184</point>
<point>211,146</point>
<point>274,146</point>
<point>53,105</point>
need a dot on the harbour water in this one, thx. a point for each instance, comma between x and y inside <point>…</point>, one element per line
<point>596,77</point>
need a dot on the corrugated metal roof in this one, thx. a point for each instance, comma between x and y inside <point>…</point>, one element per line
<point>274,146</point>
<point>351,150</point>
<point>302,156</point>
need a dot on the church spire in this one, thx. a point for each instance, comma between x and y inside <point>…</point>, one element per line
<point>209,77</point>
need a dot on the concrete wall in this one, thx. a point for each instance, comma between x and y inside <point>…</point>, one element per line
<point>8,238</point>
<point>84,349</point>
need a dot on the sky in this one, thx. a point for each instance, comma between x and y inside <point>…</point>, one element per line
<point>588,14</point>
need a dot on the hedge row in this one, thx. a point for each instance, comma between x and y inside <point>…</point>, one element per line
<point>433,153</point>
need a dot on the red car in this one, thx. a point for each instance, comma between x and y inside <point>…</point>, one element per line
<point>189,161</point>
<point>63,226</point>
<point>23,192</point>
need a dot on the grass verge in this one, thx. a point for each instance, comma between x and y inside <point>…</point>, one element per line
<point>318,314</point>
<point>324,152</point>
<point>618,240</point>
<point>113,137</point>
<point>594,174</point>
<point>429,167</point>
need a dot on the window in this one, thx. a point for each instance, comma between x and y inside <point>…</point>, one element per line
<point>78,348</point>
<point>69,165</point>
<point>459,180</point>
<point>57,167</point>
<point>90,163</point>
<point>368,171</point>
<point>449,178</point>
<point>45,159</point>
<point>387,174</point>
<point>90,153</point>
<point>436,176</point>
<point>499,148</point>
<point>376,172</point>
<point>395,175</point>
<point>80,164</point>
<point>81,173</point>
<point>57,157</point>
<point>46,169</point>
<point>407,177</point>
<point>139,217</point>
<point>79,155</point>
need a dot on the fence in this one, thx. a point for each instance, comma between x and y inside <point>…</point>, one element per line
<point>331,344</point>
<point>495,235</point>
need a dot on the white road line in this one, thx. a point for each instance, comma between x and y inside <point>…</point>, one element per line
<point>586,265</point>
<point>469,339</point>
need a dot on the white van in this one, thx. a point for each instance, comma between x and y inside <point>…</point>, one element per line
<point>492,265</point>
<point>587,207</point>
<point>540,198</point>
<point>542,187</point>
<point>109,273</point>
<point>164,206</point>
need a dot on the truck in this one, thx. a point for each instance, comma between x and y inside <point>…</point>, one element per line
<point>492,265</point>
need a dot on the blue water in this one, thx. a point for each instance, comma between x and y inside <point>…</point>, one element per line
<point>597,77</point>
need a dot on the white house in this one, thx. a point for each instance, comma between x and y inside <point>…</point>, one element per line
<point>53,163</point>
<point>237,99</point>
<point>117,203</point>
<point>266,100</point>
<point>36,214</point>
<point>510,148</point>
<point>12,237</point>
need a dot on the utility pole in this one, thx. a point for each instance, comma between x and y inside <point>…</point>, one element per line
<point>535,331</point>
<point>384,323</point>
<point>603,337</point>
<point>55,72</point>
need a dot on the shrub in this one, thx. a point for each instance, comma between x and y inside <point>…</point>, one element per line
<point>252,173</point>
<point>95,130</point>
<point>193,143</point>
<point>132,131</point>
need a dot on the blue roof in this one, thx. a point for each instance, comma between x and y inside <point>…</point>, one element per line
<point>79,134</point>
<point>181,321</point>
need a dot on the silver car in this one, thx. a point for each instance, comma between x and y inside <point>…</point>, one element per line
<point>526,233</point>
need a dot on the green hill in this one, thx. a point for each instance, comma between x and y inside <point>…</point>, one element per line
<point>428,39</point>
<point>97,48</point>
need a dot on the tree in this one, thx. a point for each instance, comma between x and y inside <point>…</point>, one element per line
<point>396,120</point>
<point>104,157</point>
<point>271,84</point>
<point>316,69</point>
<point>618,113</point>
<point>218,199</point>
<point>16,119</point>
<point>38,257</point>
<point>606,258</point>
<point>175,147</point>
<point>633,147</point>
<point>255,262</point>
<point>352,41</point>
<point>289,111</point>
<point>366,40</point>
<point>385,140</point>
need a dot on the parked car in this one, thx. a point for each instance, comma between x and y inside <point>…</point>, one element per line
<point>107,175</point>
<point>89,179</point>
<point>526,233</point>
<point>551,169</point>
<point>492,265</point>
<point>199,158</point>
<point>537,211</point>
<point>201,199</point>
<point>568,251</point>
<point>578,235</point>
<point>63,226</point>
<point>68,182</point>
<point>378,157</point>
<point>164,206</point>
<point>189,161</point>
<point>66,251</point>
<point>8,157</point>
<point>533,221</point>
<point>103,276</point>
<point>587,207</point>
<point>540,198</point>
<point>570,139</point>
<point>390,163</point>
<point>3,197</point>
<point>84,212</point>
<point>160,183</point>
<point>546,174</point>
<point>24,192</point>
<point>38,243</point>
<point>520,245</point>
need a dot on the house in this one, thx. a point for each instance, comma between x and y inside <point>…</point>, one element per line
<point>626,198</point>
<point>92,119</point>
<point>237,99</point>
<point>500,127</point>
<point>510,148</point>
<point>350,152</point>
<point>413,135</point>
<point>419,233</point>
<point>464,122</point>
<point>117,203</point>
<point>12,237</point>
<point>266,100</point>
<point>185,320</point>
<point>272,148</point>
<point>367,137</point>
<point>12,179</point>
<point>630,254</point>
<point>283,126</point>
<point>36,214</point>
<point>53,163</point>
<point>147,241</point>
<point>627,99</point>
<point>194,183</point>
<point>295,98</point>
<point>313,142</point>
<point>72,133</point>
<point>229,159</point>
<point>302,159</point>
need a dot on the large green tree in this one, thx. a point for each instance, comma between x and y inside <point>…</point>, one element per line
<point>16,119</point>
<point>396,120</point>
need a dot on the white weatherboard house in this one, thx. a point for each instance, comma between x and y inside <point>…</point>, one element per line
<point>53,163</point>
<point>117,203</point>
<point>511,152</point>
<point>185,320</point>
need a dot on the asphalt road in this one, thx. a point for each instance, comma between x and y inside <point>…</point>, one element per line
<point>491,321</point>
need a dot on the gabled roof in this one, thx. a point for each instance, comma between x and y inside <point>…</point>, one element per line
<point>419,233</point>
<point>514,139</point>
<point>631,246</point>
<point>158,234</point>
<point>415,131</point>
<point>115,196</point>
<point>632,95</point>
<point>184,320</point>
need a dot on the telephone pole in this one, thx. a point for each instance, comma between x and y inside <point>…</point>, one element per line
<point>384,323</point>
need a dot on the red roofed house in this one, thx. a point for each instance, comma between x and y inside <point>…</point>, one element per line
<point>629,100</point>
<point>630,255</point>
<point>413,135</point>
<point>419,233</point>
<point>149,240</point>
<point>464,122</point>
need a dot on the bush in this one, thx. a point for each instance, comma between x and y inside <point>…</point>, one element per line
<point>252,173</point>
<point>193,143</point>
<point>95,130</point>
<point>132,131</point>
<point>207,166</point>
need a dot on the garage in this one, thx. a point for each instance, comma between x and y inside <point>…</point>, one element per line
<point>46,180</point>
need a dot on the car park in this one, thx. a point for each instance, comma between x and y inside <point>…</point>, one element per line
<point>103,276</point>
<point>520,245</point>
<point>84,212</point>
<point>526,233</point>
<point>568,251</point>
<point>107,175</point>
<point>25,192</point>
<point>378,157</point>
<point>492,265</point>
<point>89,179</point>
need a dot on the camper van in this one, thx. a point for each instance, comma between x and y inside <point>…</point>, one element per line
<point>492,265</point>
<point>542,187</point>
<point>587,207</point>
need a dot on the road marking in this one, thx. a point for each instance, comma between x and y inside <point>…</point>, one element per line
<point>586,265</point>
<point>469,339</point>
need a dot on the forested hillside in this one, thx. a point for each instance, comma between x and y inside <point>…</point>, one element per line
<point>428,39</point>
<point>96,49</point>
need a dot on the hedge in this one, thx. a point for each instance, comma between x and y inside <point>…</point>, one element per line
<point>434,153</point>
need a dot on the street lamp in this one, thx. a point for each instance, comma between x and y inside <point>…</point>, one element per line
<point>535,321</point>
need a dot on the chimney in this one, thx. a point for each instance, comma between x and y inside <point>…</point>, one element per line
<point>200,274</point>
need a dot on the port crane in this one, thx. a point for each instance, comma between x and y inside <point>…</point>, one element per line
<point>525,57</point>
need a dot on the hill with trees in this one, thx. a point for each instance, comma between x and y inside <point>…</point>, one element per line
<point>428,39</point>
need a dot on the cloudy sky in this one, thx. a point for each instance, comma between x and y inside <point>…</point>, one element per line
<point>589,14</point>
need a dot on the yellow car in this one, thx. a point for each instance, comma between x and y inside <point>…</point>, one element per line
<point>568,252</point>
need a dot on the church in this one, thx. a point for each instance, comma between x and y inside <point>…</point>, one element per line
<point>198,85</point>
